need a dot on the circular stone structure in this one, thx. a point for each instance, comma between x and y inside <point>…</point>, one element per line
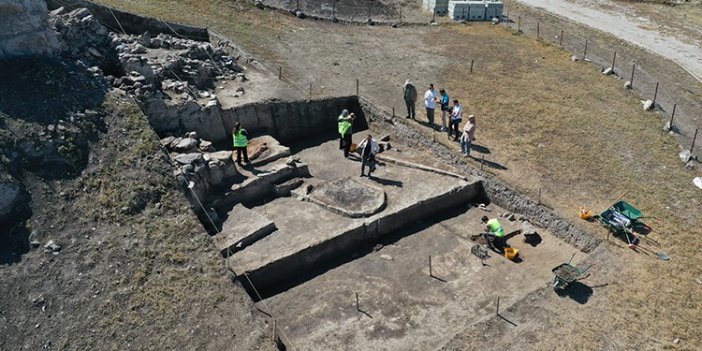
<point>349,197</point>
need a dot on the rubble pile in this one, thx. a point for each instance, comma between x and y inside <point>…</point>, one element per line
<point>199,163</point>
<point>83,38</point>
<point>181,65</point>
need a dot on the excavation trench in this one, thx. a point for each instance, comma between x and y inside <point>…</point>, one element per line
<point>303,233</point>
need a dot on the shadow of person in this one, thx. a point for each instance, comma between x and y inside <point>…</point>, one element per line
<point>490,164</point>
<point>387,182</point>
<point>479,148</point>
<point>577,291</point>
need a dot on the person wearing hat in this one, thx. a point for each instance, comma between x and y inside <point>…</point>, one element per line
<point>345,123</point>
<point>410,96</point>
<point>494,234</point>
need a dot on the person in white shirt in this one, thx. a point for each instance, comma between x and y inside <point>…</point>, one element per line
<point>369,148</point>
<point>430,100</point>
<point>456,118</point>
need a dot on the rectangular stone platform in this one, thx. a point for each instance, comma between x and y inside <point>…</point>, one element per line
<point>242,228</point>
<point>402,306</point>
<point>309,235</point>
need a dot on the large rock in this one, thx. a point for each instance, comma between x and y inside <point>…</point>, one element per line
<point>24,29</point>
<point>185,145</point>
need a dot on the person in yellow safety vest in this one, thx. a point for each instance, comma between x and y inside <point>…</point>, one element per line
<point>345,122</point>
<point>241,141</point>
<point>495,234</point>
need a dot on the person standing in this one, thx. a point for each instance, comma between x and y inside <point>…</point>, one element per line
<point>345,121</point>
<point>410,96</point>
<point>430,100</point>
<point>241,140</point>
<point>369,149</point>
<point>456,118</point>
<point>468,135</point>
<point>495,234</point>
<point>444,108</point>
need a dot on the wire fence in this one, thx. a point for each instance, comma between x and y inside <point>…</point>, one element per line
<point>621,58</point>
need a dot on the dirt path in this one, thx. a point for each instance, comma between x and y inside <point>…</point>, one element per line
<point>688,56</point>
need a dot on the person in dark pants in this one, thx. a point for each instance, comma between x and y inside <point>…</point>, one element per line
<point>456,118</point>
<point>430,100</point>
<point>410,95</point>
<point>345,121</point>
<point>241,141</point>
<point>495,234</point>
<point>369,149</point>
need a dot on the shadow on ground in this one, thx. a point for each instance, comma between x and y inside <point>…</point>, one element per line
<point>577,291</point>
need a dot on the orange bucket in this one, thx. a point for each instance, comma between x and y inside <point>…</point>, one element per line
<point>353,148</point>
<point>511,253</point>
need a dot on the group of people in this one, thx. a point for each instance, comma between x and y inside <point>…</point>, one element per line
<point>451,118</point>
<point>453,114</point>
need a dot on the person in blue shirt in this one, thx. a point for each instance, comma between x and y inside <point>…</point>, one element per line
<point>445,109</point>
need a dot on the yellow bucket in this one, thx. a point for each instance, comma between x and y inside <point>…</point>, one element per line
<point>511,253</point>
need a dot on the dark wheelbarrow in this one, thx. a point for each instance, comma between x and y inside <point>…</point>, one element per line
<point>566,273</point>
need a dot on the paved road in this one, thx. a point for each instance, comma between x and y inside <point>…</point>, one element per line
<point>688,56</point>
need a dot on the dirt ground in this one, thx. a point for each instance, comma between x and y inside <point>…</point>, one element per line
<point>146,279</point>
<point>542,127</point>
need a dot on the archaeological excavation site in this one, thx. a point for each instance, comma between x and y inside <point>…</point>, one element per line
<point>185,186</point>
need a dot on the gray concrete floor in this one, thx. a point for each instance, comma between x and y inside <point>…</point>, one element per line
<point>303,224</point>
<point>403,307</point>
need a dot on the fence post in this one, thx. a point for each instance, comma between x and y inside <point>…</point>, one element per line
<point>614,59</point>
<point>560,39</point>
<point>585,52</point>
<point>538,30</point>
<point>471,65</point>
<point>655,94</point>
<point>369,11</point>
<point>631,80</point>
<point>356,86</point>
<point>519,23</point>
<point>694,138</point>
<point>431,273</point>
<point>433,16</point>
<point>400,14</point>
<point>297,4</point>
<point>280,73</point>
<point>310,91</point>
<point>333,10</point>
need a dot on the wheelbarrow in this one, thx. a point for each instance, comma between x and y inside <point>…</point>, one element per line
<point>566,273</point>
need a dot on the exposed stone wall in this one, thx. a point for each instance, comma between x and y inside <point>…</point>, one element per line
<point>286,121</point>
<point>24,29</point>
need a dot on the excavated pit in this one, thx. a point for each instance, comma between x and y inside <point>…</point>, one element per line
<point>305,235</point>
